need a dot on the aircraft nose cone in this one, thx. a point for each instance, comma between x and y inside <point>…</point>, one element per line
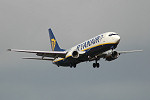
<point>117,39</point>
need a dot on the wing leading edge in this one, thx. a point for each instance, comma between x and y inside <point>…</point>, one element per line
<point>131,51</point>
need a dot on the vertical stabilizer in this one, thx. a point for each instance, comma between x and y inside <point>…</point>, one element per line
<point>53,41</point>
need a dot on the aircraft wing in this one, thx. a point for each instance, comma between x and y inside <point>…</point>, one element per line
<point>102,55</point>
<point>124,52</point>
<point>43,53</point>
<point>50,59</point>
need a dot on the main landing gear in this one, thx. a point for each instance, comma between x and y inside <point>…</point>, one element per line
<point>96,65</point>
<point>73,66</point>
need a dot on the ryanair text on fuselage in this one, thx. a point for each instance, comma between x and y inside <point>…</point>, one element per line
<point>89,43</point>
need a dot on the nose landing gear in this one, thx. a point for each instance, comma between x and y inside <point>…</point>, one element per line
<point>96,65</point>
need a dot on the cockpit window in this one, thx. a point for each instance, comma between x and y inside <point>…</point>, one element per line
<point>112,34</point>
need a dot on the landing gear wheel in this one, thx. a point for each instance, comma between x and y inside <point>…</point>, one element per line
<point>70,66</point>
<point>96,65</point>
<point>74,65</point>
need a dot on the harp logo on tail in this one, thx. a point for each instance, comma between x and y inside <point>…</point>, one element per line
<point>53,41</point>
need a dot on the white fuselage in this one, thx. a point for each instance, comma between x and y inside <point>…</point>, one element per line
<point>100,40</point>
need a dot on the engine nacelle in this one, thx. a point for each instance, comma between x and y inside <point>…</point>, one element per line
<point>75,54</point>
<point>114,55</point>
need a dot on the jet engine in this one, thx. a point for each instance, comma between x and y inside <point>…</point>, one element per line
<point>114,55</point>
<point>75,54</point>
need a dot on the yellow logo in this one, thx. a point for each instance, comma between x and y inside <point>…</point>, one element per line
<point>53,41</point>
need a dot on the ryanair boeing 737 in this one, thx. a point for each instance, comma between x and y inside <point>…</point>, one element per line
<point>101,46</point>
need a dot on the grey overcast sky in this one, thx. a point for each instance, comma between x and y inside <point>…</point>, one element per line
<point>24,25</point>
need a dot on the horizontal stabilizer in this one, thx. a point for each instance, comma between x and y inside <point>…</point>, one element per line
<point>51,59</point>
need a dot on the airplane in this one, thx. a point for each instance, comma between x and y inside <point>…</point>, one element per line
<point>101,46</point>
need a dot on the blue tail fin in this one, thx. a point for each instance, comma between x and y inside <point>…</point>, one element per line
<point>54,44</point>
